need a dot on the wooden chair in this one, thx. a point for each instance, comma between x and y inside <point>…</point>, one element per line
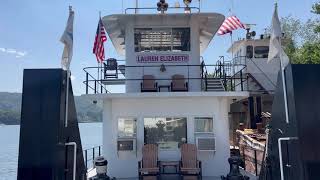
<point>190,167</point>
<point>178,83</point>
<point>148,84</point>
<point>111,69</point>
<point>149,165</point>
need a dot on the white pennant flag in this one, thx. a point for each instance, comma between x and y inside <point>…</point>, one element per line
<point>275,41</point>
<point>67,40</point>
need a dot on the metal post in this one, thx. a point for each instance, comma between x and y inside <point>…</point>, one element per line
<point>206,81</point>
<point>280,153</point>
<point>87,79</point>
<point>74,158</point>
<point>93,154</point>
<point>67,99</point>
<point>231,84</point>
<point>86,157</point>
<point>284,91</point>
<point>137,5</point>
<point>101,87</point>
<point>241,80</point>
<point>95,86</point>
<point>99,150</point>
<point>220,70</point>
<point>244,158</point>
<point>256,162</point>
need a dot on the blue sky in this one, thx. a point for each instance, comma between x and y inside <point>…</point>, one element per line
<point>30,31</point>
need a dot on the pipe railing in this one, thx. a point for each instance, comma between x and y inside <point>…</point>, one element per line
<point>254,160</point>
<point>155,10</point>
<point>89,156</point>
<point>93,83</point>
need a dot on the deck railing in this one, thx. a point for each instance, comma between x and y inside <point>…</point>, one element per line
<point>252,159</point>
<point>90,154</point>
<point>220,71</point>
<point>155,10</point>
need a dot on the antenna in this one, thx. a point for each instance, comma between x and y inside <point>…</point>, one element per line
<point>122,6</point>
<point>137,5</point>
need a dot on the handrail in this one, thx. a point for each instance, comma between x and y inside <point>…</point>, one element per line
<point>154,8</point>
<point>256,162</point>
<point>74,158</point>
<point>93,149</point>
<point>264,74</point>
<point>280,153</point>
<point>204,76</point>
<point>94,79</point>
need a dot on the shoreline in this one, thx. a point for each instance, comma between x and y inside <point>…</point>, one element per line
<point>19,124</point>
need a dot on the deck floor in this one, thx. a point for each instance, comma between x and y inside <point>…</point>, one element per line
<point>175,177</point>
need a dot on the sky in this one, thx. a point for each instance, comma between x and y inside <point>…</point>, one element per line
<point>30,31</point>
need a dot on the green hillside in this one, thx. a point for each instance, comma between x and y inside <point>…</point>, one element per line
<point>10,108</point>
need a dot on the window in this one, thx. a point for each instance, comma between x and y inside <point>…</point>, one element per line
<point>203,125</point>
<point>169,133</point>
<point>249,52</point>
<point>261,51</point>
<point>161,39</point>
<point>127,127</point>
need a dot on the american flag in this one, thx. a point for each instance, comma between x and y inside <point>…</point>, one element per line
<point>98,47</point>
<point>230,24</point>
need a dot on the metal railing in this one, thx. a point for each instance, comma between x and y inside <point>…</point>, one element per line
<point>219,71</point>
<point>89,156</point>
<point>252,159</point>
<point>155,10</point>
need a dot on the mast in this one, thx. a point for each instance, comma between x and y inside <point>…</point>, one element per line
<point>137,5</point>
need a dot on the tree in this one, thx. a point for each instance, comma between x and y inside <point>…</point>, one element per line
<point>302,39</point>
<point>316,10</point>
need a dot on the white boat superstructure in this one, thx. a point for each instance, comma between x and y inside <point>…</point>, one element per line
<point>170,95</point>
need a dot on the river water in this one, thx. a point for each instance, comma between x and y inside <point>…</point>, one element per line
<point>91,135</point>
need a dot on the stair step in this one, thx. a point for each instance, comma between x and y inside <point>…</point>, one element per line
<point>214,86</point>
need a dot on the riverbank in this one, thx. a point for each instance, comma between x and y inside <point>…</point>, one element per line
<point>10,109</point>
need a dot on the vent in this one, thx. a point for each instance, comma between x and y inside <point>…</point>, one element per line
<point>126,145</point>
<point>206,143</point>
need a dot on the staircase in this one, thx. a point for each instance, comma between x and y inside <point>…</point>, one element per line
<point>214,84</point>
<point>254,84</point>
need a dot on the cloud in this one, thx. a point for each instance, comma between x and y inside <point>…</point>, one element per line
<point>15,52</point>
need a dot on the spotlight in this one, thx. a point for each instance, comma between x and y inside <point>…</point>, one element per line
<point>187,9</point>
<point>162,6</point>
<point>187,2</point>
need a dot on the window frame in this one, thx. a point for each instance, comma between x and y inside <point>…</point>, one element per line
<point>171,29</point>
<point>195,120</point>
<point>166,116</point>
<point>254,52</point>
<point>134,119</point>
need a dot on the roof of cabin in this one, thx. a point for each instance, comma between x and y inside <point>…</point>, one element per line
<point>115,25</point>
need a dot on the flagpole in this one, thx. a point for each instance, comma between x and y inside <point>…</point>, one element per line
<point>67,98</point>
<point>67,87</point>
<point>284,85</point>
<point>233,70</point>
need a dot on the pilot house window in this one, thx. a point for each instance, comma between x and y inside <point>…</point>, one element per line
<point>261,51</point>
<point>161,39</point>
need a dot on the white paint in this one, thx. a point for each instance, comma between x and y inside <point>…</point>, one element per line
<point>265,73</point>
<point>187,72</point>
<point>188,105</point>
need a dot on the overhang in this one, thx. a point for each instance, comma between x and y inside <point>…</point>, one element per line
<point>115,25</point>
